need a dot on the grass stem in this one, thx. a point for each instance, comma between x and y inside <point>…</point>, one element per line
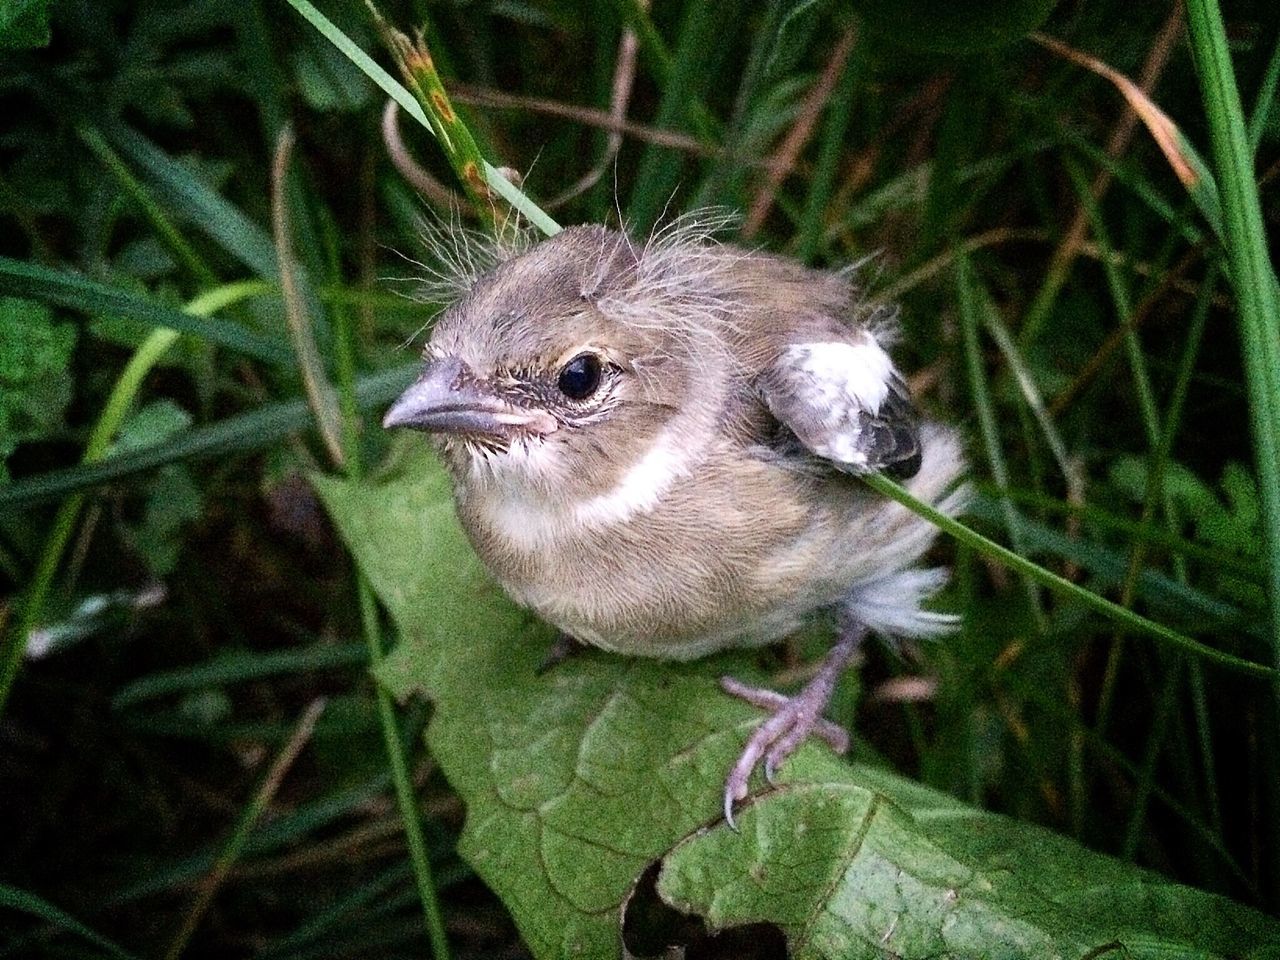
<point>1047,578</point>
<point>388,722</point>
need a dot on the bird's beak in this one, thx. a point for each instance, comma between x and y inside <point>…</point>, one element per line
<point>449,398</point>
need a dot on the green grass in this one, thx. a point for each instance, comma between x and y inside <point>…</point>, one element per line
<point>1115,678</point>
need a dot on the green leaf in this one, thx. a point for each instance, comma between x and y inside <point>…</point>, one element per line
<point>888,868</point>
<point>238,665</point>
<point>173,501</point>
<point>154,423</point>
<point>578,780</point>
<point>35,379</point>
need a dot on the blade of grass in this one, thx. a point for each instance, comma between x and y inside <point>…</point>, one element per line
<point>237,667</point>
<point>65,289</point>
<point>160,222</point>
<point>12,898</point>
<point>1127,174</point>
<point>1156,496</point>
<point>1030,393</point>
<point>14,643</point>
<point>355,903</point>
<point>1047,578</point>
<point>1258,303</point>
<point>726,180</point>
<point>967,297</point>
<point>1147,408</point>
<point>1054,708</point>
<point>839,113</point>
<point>1130,529</point>
<point>315,380</point>
<point>1265,100</point>
<point>493,178</point>
<point>1183,158</point>
<point>664,64</point>
<point>1147,771</point>
<point>821,96</point>
<point>1199,702</point>
<point>695,64</point>
<point>1251,272</point>
<point>1122,302</point>
<point>906,191</point>
<point>286,830</point>
<point>400,778</point>
<point>1109,565</point>
<point>960,132</point>
<point>659,60</point>
<point>419,73</point>
<point>207,209</point>
<point>1118,141</point>
<point>244,432</point>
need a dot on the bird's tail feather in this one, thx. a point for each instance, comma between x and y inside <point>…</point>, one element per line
<point>893,605</point>
<point>890,599</point>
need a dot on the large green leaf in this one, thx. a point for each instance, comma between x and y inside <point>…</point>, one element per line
<point>579,780</point>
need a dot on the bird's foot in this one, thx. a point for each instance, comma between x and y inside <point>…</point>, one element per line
<point>794,719</point>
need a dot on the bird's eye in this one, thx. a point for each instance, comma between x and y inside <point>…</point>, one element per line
<point>580,377</point>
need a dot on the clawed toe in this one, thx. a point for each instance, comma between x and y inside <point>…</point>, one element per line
<point>793,721</point>
<point>773,742</point>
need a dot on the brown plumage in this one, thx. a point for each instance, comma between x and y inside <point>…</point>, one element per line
<point>652,447</point>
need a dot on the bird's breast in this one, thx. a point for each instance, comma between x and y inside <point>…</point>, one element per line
<point>675,559</point>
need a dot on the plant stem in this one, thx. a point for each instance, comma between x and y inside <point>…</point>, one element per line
<point>405,798</point>
<point>396,91</point>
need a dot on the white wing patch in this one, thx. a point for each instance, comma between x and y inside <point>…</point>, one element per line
<point>844,371</point>
<point>845,402</point>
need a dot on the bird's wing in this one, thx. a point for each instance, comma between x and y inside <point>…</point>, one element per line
<point>842,398</point>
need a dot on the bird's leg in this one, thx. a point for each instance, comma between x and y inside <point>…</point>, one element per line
<point>794,718</point>
<point>562,648</point>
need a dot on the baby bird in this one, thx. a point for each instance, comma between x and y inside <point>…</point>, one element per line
<point>656,448</point>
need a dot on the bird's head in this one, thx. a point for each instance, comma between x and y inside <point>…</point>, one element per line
<point>559,369</point>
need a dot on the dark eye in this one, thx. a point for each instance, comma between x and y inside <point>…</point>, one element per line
<point>580,377</point>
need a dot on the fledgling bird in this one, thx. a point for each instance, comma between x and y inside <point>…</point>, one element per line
<point>655,447</point>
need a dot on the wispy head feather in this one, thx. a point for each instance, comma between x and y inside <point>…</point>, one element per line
<point>456,256</point>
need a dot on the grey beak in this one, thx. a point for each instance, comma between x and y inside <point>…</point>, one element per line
<point>449,398</point>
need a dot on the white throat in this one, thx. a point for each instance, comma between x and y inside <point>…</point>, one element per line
<point>527,517</point>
